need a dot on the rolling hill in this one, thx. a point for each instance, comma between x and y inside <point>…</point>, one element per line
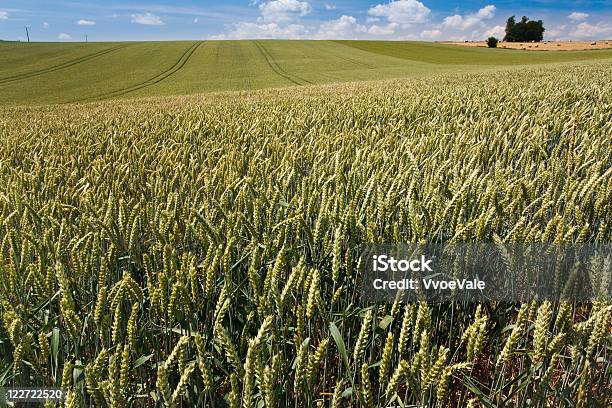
<point>42,73</point>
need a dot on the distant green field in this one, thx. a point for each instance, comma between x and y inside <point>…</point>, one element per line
<point>447,54</point>
<point>41,73</point>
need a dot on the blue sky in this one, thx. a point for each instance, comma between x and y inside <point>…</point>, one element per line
<point>112,20</point>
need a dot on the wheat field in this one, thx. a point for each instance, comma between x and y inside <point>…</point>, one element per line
<point>204,250</point>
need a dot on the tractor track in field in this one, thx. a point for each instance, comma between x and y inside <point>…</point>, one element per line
<point>183,59</point>
<point>347,59</point>
<point>64,65</point>
<point>277,69</point>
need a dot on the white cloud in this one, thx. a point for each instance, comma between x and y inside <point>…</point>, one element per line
<point>3,15</point>
<point>247,30</point>
<point>283,10</point>
<point>196,20</point>
<point>345,27</point>
<point>555,33</point>
<point>46,25</point>
<point>431,34</point>
<point>147,19</point>
<point>495,31</point>
<point>403,12</point>
<point>86,22</point>
<point>591,31</point>
<point>467,21</point>
<point>64,36</point>
<point>383,30</point>
<point>577,16</point>
<point>396,19</point>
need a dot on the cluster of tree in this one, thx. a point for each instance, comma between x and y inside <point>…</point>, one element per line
<point>524,31</point>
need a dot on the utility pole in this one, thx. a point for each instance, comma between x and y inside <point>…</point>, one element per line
<point>27,34</point>
<point>86,40</point>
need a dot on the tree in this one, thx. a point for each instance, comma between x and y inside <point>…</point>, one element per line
<point>492,42</point>
<point>510,29</point>
<point>524,31</point>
